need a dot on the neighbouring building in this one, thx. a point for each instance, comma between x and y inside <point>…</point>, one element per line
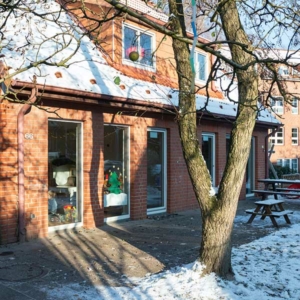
<point>102,143</point>
<point>284,143</point>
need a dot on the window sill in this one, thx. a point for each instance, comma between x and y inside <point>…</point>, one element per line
<point>138,65</point>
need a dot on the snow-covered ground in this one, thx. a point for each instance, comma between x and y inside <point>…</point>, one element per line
<point>268,268</point>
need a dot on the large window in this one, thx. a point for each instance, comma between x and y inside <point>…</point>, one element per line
<point>294,136</point>
<point>201,66</point>
<point>295,106</point>
<point>64,175</point>
<point>116,171</point>
<point>277,105</point>
<point>291,163</point>
<point>278,137</point>
<point>135,40</point>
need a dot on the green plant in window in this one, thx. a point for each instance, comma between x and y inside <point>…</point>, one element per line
<point>114,183</point>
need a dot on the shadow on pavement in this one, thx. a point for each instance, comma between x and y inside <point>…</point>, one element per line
<point>112,254</point>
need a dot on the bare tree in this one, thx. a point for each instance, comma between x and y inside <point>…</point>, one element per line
<point>247,30</point>
<point>243,29</point>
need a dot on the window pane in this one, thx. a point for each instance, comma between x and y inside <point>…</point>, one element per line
<point>279,133</point>
<point>295,106</point>
<point>130,41</point>
<point>146,49</point>
<point>277,104</point>
<point>294,136</point>
<point>295,165</point>
<point>116,171</point>
<point>64,203</point>
<point>286,162</point>
<point>201,66</point>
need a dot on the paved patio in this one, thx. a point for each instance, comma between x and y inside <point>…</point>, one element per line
<point>113,253</point>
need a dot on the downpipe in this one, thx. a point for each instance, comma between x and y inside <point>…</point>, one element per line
<point>21,175</point>
<point>273,131</point>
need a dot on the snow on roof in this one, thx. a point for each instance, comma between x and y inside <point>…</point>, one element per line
<point>88,70</point>
<point>146,7</point>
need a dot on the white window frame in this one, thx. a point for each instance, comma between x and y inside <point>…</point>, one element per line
<point>292,163</point>
<point>138,64</point>
<point>278,138</point>
<point>277,104</point>
<point>295,106</point>
<point>163,208</point>
<point>294,136</point>
<point>212,136</point>
<point>283,71</point>
<point>197,66</point>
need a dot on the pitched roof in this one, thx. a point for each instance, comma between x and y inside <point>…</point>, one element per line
<point>88,70</point>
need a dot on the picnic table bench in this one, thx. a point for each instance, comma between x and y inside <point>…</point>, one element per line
<point>269,208</point>
<point>283,192</point>
<point>277,189</point>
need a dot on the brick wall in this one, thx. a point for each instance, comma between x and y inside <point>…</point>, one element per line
<point>8,173</point>
<point>180,194</point>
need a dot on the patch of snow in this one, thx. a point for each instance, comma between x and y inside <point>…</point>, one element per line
<point>265,269</point>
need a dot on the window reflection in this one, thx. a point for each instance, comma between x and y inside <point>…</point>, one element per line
<point>115,171</point>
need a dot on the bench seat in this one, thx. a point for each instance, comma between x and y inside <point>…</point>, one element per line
<point>274,213</point>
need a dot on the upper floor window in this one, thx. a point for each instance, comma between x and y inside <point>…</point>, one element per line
<point>277,105</point>
<point>278,137</point>
<point>201,66</point>
<point>294,136</point>
<point>136,40</point>
<point>283,71</point>
<point>295,106</point>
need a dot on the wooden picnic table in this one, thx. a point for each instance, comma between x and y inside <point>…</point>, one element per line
<point>274,187</point>
<point>275,182</point>
<point>269,208</point>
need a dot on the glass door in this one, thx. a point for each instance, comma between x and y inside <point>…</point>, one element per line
<point>208,152</point>
<point>156,171</point>
<point>250,170</point>
<point>64,173</point>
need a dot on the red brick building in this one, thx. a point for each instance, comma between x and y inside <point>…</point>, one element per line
<point>103,144</point>
<point>285,140</point>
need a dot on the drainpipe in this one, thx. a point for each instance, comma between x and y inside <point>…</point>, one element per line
<point>267,150</point>
<point>21,189</point>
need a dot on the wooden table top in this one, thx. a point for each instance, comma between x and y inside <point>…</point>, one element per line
<point>269,180</point>
<point>269,202</point>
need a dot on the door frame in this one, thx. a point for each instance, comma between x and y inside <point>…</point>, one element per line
<point>213,154</point>
<point>79,175</point>
<point>251,160</point>
<point>162,208</point>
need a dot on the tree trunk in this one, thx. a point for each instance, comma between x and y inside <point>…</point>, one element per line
<point>217,212</point>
